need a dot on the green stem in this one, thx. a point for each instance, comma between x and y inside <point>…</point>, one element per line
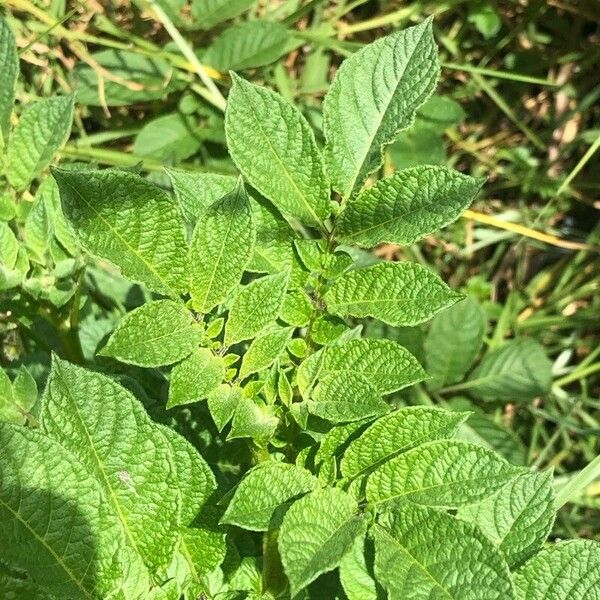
<point>273,578</point>
<point>578,482</point>
<point>577,374</point>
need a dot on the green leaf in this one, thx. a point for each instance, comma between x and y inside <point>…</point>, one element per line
<point>222,402</point>
<point>263,496</point>
<point>419,145</point>
<point>399,293</point>
<point>195,192</point>
<point>297,308</point>
<point>423,553</point>
<point>454,341</point>
<point>395,433</point>
<point>17,398</point>
<point>195,378</point>
<point>250,44</point>
<point>442,473</point>
<point>253,419</point>
<point>403,208</point>
<point>355,573</point>
<point>9,72</point>
<point>204,548</point>
<point>274,147</point>
<point>518,518</point>
<point>441,112</point>
<point>208,13</point>
<point>221,248</point>
<point>564,571</point>
<point>125,219</point>
<point>315,534</point>
<point>42,129</point>
<point>264,350</point>
<point>54,522</point>
<point>109,432</point>
<point>517,370</point>
<point>255,306</point>
<point>157,333</point>
<point>373,97</point>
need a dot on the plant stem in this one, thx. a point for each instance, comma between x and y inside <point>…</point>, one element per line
<point>273,579</point>
<point>578,483</point>
<point>577,374</point>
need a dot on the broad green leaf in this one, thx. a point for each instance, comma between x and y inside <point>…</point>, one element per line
<point>454,341</point>
<point>395,433</point>
<point>255,306</point>
<point>54,521</point>
<point>42,129</point>
<point>442,473</point>
<point>195,192</point>
<point>441,112</point>
<point>400,293</point>
<point>253,419</point>
<point>517,370</point>
<point>315,534</point>
<point>373,97</point>
<point>16,588</point>
<point>564,571</point>
<point>355,573</point>
<point>274,147</point>
<point>208,13</point>
<point>157,333</point>
<point>221,248</point>
<point>518,518</point>
<point>297,308</point>
<point>348,397</point>
<point>263,496</point>
<point>9,71</point>
<point>264,350</point>
<point>419,145</point>
<point>222,402</point>
<point>388,366</point>
<point>125,219</point>
<point>423,553</point>
<point>337,438</point>
<point>204,548</point>
<point>250,44</point>
<point>109,432</point>
<point>194,378</point>
<point>403,208</point>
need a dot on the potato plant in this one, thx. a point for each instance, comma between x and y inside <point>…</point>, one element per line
<point>283,463</point>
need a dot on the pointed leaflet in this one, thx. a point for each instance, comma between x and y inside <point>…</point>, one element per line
<point>443,473</point>
<point>109,432</point>
<point>261,498</point>
<point>42,129</point>
<point>54,522</point>
<point>395,433</point>
<point>222,402</point>
<point>253,419</point>
<point>373,97</point>
<point>264,350</point>
<point>453,342</point>
<point>274,147</point>
<point>564,571</point>
<point>194,378</point>
<point>155,334</point>
<point>125,219</point>
<point>518,518</point>
<point>403,208</point>
<point>399,293</point>
<point>255,306</point>
<point>315,534</point>
<point>9,71</point>
<point>422,553</point>
<point>221,248</point>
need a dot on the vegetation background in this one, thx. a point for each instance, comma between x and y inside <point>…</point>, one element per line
<point>518,103</point>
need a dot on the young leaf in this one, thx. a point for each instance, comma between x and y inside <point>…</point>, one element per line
<point>403,208</point>
<point>109,432</point>
<point>273,146</point>
<point>453,342</point>
<point>155,334</point>
<point>395,433</point>
<point>222,402</point>
<point>221,248</point>
<point>442,473</point>
<point>518,518</point>
<point>315,534</point>
<point>399,293</point>
<point>373,97</point>
<point>565,571</point>
<point>125,219</point>
<point>194,378</point>
<point>9,71</point>
<point>42,129</point>
<point>263,496</point>
<point>517,370</point>
<point>264,350</point>
<point>420,551</point>
<point>255,306</point>
<point>253,419</point>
